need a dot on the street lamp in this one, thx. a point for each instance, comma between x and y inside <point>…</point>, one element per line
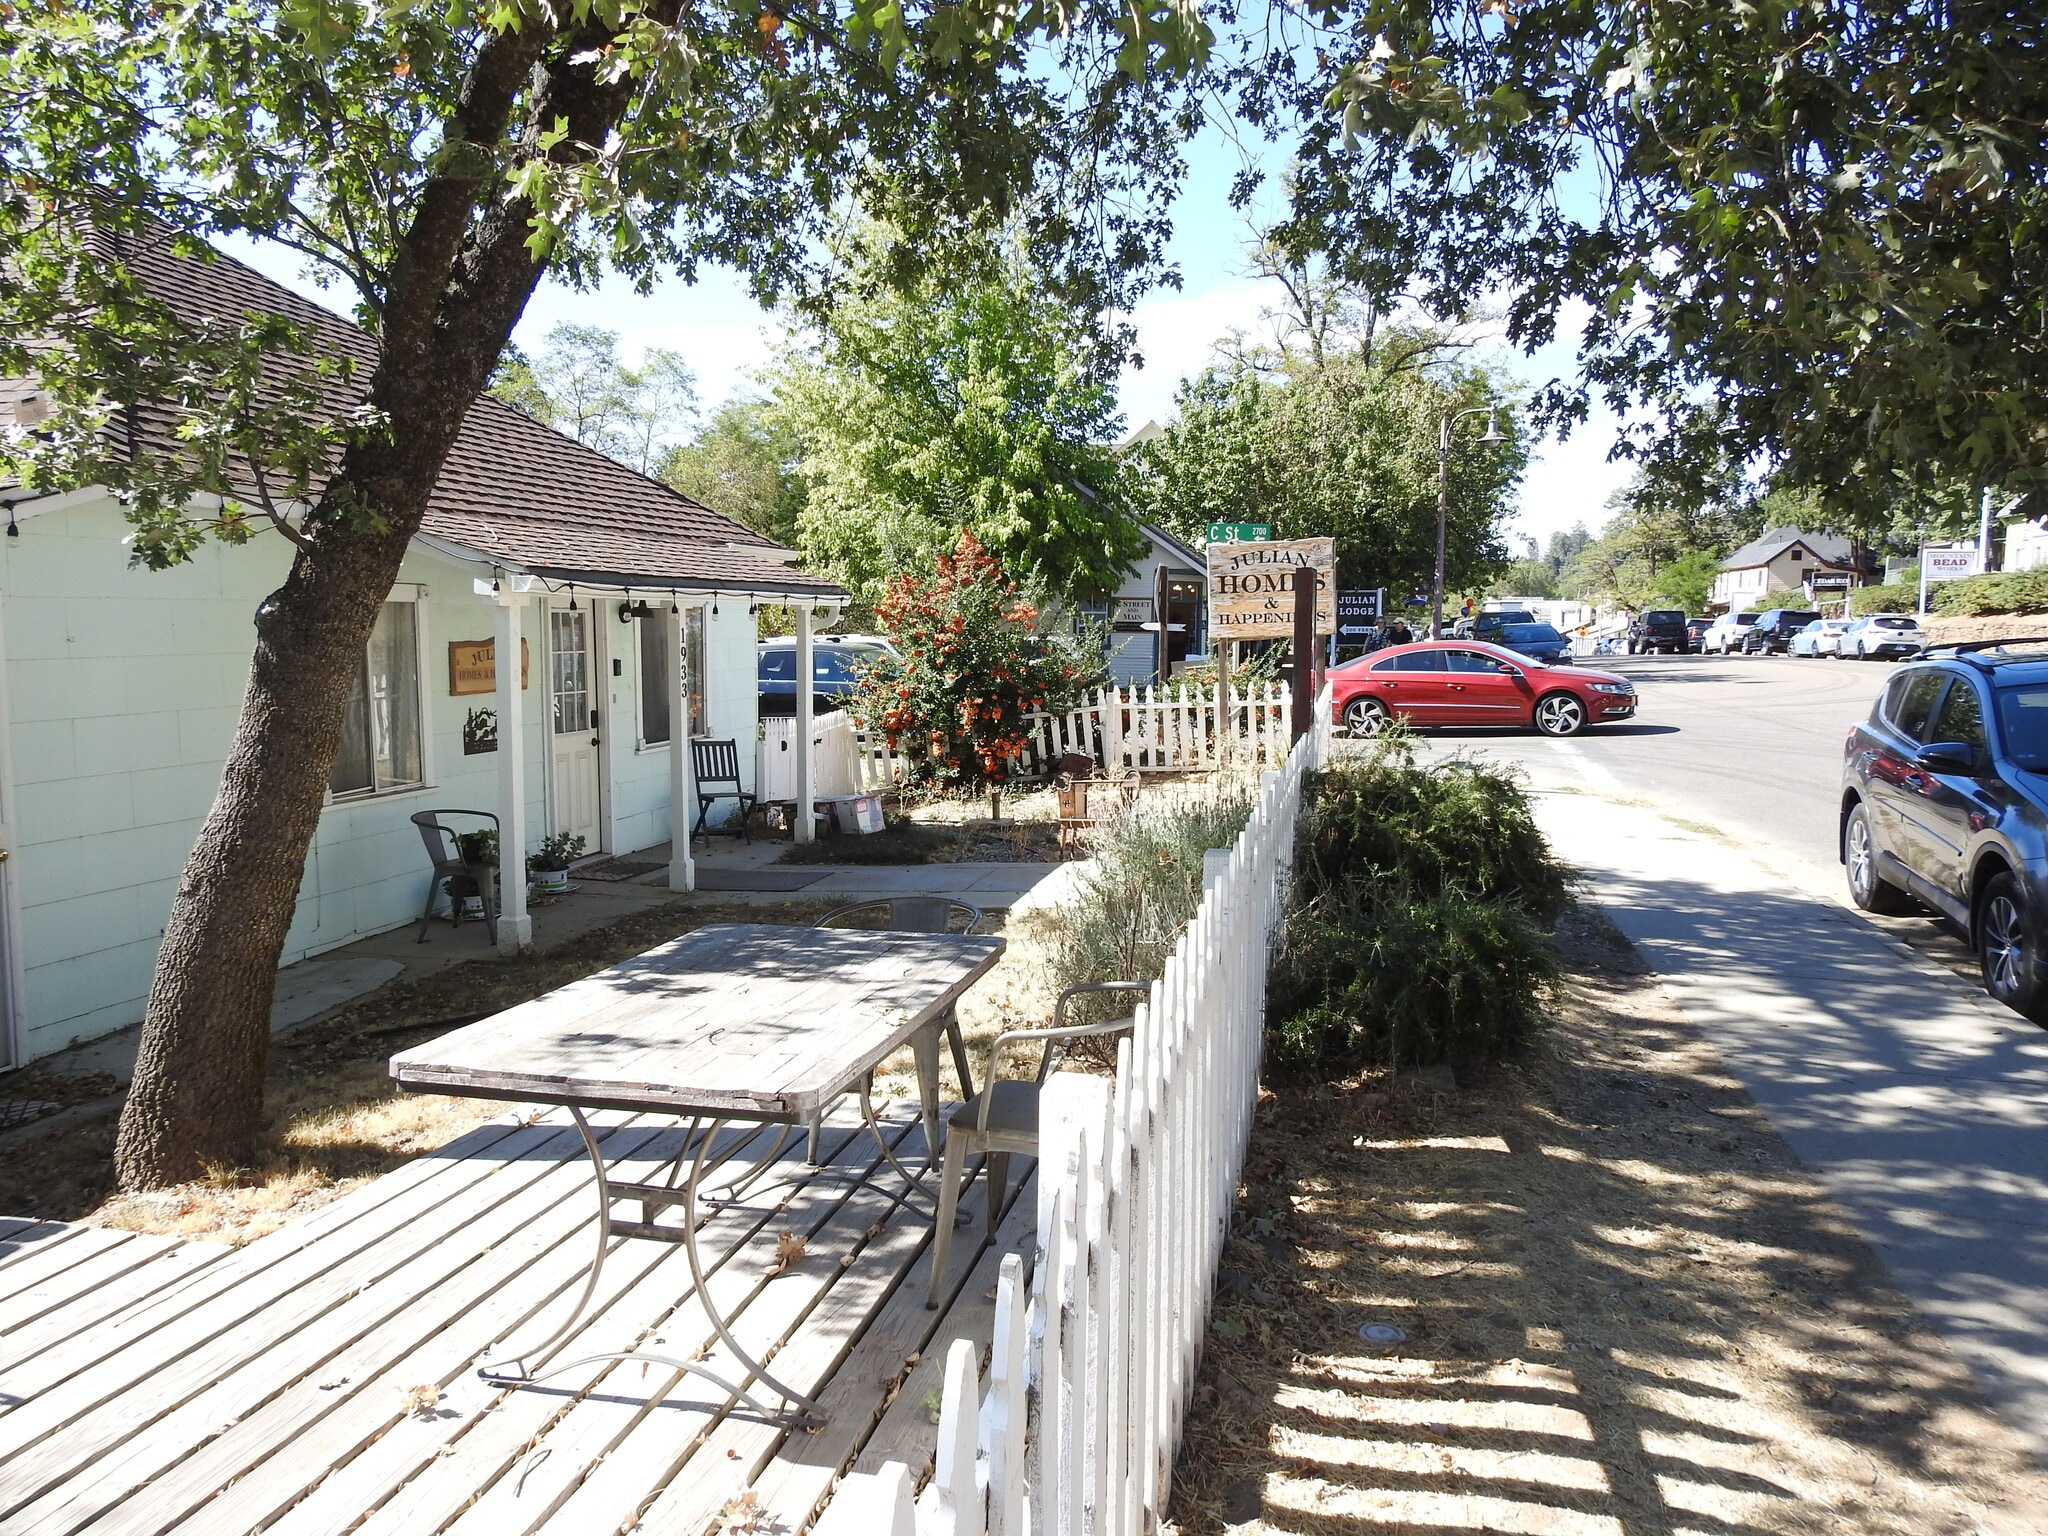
<point>1443,501</point>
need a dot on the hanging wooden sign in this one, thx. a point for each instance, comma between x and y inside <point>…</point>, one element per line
<point>473,666</point>
<point>1251,587</point>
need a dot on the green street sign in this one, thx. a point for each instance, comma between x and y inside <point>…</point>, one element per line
<point>1240,533</point>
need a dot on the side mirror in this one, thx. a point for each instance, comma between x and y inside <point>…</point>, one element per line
<point>1946,757</point>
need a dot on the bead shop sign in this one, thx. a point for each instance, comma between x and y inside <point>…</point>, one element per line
<point>1251,587</point>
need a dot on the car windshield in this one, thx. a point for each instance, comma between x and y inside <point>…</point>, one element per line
<point>1895,623</point>
<point>2023,719</point>
<point>1664,616</point>
<point>1530,634</point>
<point>1747,618</point>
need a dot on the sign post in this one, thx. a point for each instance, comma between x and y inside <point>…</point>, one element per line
<point>1239,533</point>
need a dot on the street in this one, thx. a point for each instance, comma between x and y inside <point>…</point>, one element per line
<point>1706,828</point>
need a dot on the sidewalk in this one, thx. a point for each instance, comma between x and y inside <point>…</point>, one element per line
<point>1922,1105</point>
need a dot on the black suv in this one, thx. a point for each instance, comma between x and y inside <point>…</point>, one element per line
<point>1945,797</point>
<point>1658,629</point>
<point>1773,631</point>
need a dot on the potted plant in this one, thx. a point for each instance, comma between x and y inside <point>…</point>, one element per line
<point>479,850</point>
<point>548,866</point>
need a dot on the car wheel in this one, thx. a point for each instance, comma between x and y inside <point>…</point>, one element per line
<point>1867,888</point>
<point>1560,714</point>
<point>1365,718</point>
<point>2005,950</point>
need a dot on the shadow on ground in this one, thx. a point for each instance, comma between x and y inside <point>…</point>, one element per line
<point>1626,1309</point>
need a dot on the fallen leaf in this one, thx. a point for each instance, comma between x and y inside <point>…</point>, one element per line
<point>789,1248</point>
<point>420,1401</point>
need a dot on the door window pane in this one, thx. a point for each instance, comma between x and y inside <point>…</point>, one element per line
<point>1916,703</point>
<point>381,746</point>
<point>569,674</point>
<point>1962,717</point>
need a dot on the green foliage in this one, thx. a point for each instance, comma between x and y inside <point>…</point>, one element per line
<point>1898,597</point>
<point>1688,581</point>
<point>1415,929</point>
<point>1346,447</point>
<point>1525,578</point>
<point>972,665</point>
<point>983,403</point>
<point>1782,597</point>
<point>433,161</point>
<point>1821,216</point>
<point>746,463</point>
<point>1997,592</point>
<point>1123,922</point>
<point>579,386</point>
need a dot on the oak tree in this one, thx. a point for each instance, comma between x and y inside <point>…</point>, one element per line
<point>433,162</point>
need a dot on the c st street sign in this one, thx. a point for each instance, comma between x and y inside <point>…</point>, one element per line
<point>1239,533</point>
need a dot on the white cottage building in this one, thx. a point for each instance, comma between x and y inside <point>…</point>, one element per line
<point>1157,616</point>
<point>119,689</point>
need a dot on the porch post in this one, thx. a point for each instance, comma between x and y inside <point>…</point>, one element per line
<point>515,927</point>
<point>682,767</point>
<point>805,779</point>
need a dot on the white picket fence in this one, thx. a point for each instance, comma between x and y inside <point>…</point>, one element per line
<point>1152,729</point>
<point>1074,1429</point>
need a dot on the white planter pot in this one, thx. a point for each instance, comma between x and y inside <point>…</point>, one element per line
<point>553,880</point>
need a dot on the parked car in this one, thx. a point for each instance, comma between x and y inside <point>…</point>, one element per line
<point>1696,635</point>
<point>1487,626</point>
<point>1658,629</point>
<point>1725,633</point>
<point>1820,638</point>
<point>837,662</point>
<point>1471,682</point>
<point>1879,635</point>
<point>1945,798</point>
<point>1773,630</point>
<point>1538,642</point>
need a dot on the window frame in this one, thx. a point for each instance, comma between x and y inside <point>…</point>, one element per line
<point>413,595</point>
<point>678,626</point>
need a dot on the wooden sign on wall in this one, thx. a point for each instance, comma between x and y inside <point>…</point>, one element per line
<point>1251,587</point>
<point>473,666</point>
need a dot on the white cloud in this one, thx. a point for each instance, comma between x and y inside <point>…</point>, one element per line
<point>1177,337</point>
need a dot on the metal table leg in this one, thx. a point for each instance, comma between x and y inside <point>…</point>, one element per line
<point>513,1373</point>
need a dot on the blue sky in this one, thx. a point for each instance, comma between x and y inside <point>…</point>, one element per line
<point>724,335</point>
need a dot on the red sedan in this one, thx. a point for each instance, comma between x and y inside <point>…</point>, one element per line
<point>1467,682</point>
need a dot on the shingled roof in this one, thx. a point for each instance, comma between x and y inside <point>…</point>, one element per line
<point>1828,548</point>
<point>513,491</point>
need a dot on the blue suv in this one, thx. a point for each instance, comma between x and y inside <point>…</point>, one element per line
<point>1945,799</point>
<point>836,667</point>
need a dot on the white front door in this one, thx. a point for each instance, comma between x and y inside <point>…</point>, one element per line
<point>573,782</point>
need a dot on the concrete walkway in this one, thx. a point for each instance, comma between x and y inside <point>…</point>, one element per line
<point>1921,1104</point>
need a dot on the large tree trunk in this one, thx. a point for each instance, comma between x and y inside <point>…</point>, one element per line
<point>463,279</point>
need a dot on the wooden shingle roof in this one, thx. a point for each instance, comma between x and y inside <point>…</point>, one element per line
<point>513,490</point>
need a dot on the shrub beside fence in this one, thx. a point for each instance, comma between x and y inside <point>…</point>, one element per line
<point>1094,1359</point>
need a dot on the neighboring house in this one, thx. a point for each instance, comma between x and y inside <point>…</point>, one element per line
<point>1168,580</point>
<point>122,686</point>
<point>2026,533</point>
<point>1783,559</point>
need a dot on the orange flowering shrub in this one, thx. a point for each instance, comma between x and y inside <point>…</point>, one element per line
<point>972,666</point>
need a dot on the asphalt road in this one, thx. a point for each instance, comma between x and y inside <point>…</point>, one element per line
<point>1748,745</point>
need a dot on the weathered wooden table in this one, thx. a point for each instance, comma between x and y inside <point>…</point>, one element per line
<point>752,1022</point>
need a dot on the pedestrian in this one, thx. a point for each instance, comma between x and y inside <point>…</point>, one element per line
<point>1399,634</point>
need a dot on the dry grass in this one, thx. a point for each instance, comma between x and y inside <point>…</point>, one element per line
<point>334,1120</point>
<point>1627,1310</point>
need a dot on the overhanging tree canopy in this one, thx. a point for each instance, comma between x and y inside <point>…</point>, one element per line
<point>1825,215</point>
<point>433,162</point>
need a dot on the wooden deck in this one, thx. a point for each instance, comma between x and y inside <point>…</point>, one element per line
<point>322,1379</point>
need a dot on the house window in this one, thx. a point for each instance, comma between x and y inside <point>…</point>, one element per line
<point>380,734</point>
<point>657,650</point>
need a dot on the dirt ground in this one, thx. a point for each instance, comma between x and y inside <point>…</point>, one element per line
<point>1622,1308</point>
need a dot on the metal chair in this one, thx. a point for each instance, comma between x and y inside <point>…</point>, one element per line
<point>1002,1118</point>
<point>452,870</point>
<point>907,914</point>
<point>717,767</point>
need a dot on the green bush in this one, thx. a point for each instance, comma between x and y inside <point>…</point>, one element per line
<point>1899,597</point>
<point>1145,886</point>
<point>1998,592</point>
<point>1416,925</point>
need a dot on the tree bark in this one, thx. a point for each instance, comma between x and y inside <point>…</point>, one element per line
<point>463,278</point>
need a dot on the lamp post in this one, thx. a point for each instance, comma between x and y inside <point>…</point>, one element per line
<point>1443,501</point>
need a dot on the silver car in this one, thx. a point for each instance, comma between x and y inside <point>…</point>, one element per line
<point>1882,636</point>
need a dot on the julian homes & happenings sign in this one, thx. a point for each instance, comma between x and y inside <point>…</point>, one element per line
<point>1251,587</point>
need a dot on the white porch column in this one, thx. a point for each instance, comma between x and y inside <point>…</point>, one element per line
<point>805,778</point>
<point>515,927</point>
<point>682,767</point>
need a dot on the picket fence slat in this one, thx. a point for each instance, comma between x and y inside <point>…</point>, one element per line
<point>1093,1362</point>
